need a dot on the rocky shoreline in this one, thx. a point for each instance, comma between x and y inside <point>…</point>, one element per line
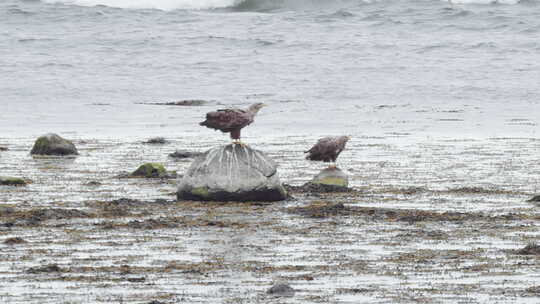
<point>80,231</point>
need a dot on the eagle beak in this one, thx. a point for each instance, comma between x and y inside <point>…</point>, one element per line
<point>264,105</point>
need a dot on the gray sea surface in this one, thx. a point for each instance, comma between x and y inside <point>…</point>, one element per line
<point>423,68</point>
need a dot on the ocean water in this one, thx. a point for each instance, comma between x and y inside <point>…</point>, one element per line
<point>415,68</point>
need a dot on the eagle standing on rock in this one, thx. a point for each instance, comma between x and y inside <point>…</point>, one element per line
<point>327,149</point>
<point>232,120</point>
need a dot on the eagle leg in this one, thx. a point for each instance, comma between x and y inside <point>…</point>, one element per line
<point>235,136</point>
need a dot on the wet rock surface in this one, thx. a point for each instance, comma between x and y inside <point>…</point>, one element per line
<point>45,269</point>
<point>329,209</point>
<point>14,241</point>
<point>93,184</point>
<point>181,154</point>
<point>232,173</point>
<point>535,199</point>
<point>530,249</point>
<point>53,144</point>
<point>281,289</point>
<point>150,170</point>
<point>156,141</point>
<point>5,211</point>
<point>12,181</point>
<point>310,187</point>
<point>331,177</point>
<point>35,217</point>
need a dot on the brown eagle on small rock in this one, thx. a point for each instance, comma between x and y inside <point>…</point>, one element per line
<point>232,120</point>
<point>327,149</point>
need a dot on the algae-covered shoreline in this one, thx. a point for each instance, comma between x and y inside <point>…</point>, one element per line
<point>440,222</point>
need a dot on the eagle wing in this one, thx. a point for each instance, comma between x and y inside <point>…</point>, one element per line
<point>326,149</point>
<point>227,120</point>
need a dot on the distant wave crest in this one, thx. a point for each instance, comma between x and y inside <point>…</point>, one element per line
<point>154,4</point>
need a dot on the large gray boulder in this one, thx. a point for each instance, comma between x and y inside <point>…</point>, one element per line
<point>52,144</point>
<point>232,173</point>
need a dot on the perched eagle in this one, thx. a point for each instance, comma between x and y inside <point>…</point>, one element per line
<point>232,120</point>
<point>327,149</point>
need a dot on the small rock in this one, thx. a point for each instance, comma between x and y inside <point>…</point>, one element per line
<point>535,199</point>
<point>93,184</point>
<point>331,177</point>
<point>136,280</point>
<point>530,249</point>
<point>160,223</point>
<point>311,187</point>
<point>180,154</point>
<point>150,170</point>
<point>193,102</point>
<point>45,269</point>
<point>12,181</point>
<point>14,241</point>
<point>156,141</point>
<point>533,290</point>
<point>35,217</point>
<point>3,148</point>
<point>4,210</point>
<point>281,289</point>
<point>321,210</point>
<point>52,144</point>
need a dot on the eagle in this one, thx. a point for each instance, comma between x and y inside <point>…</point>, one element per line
<point>327,149</point>
<point>232,120</point>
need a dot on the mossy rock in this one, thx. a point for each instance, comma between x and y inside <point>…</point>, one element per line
<point>332,181</point>
<point>331,177</point>
<point>150,170</point>
<point>12,181</point>
<point>52,144</point>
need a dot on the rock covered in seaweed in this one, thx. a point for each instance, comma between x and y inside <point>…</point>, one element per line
<point>53,144</point>
<point>328,180</point>
<point>332,177</point>
<point>12,181</point>
<point>232,173</point>
<point>150,170</point>
<point>181,154</point>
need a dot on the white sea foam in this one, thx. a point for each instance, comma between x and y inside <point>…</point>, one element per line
<point>156,4</point>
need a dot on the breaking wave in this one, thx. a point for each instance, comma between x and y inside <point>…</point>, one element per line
<point>241,4</point>
<point>154,4</point>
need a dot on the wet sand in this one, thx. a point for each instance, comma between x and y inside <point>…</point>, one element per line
<point>439,221</point>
